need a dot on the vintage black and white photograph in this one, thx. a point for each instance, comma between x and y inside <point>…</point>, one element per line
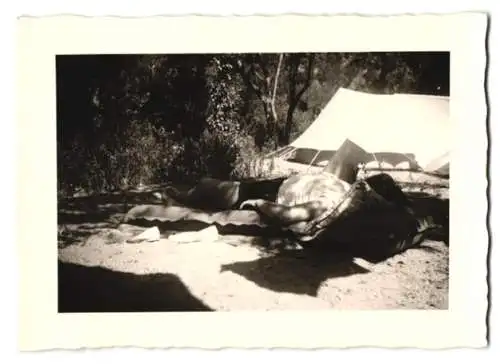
<point>220,182</point>
<point>253,181</point>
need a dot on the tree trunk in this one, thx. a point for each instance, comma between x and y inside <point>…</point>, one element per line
<point>287,130</point>
<point>294,96</point>
<point>273,100</point>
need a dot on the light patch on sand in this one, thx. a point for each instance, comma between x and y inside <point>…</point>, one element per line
<point>414,279</point>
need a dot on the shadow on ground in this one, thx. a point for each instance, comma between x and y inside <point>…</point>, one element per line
<point>299,272</point>
<point>303,271</point>
<point>438,208</point>
<point>80,217</point>
<point>99,208</point>
<point>96,289</point>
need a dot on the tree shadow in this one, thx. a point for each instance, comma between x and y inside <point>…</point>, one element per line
<point>76,236</point>
<point>83,217</point>
<point>374,236</point>
<point>428,249</point>
<point>296,271</point>
<point>80,217</point>
<point>101,207</point>
<point>97,289</point>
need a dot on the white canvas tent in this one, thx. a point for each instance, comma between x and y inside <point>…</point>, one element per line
<point>440,165</point>
<point>402,131</point>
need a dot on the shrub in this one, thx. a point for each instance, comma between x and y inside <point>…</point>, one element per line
<point>140,156</point>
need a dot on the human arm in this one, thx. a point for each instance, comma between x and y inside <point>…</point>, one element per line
<point>283,214</point>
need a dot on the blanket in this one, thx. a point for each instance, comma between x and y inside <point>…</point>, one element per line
<point>244,222</point>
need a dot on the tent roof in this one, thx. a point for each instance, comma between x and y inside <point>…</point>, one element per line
<point>417,125</point>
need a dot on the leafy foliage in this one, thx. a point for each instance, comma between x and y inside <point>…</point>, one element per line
<point>123,120</point>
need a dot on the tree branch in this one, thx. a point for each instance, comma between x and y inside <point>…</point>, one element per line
<point>263,65</point>
<point>292,78</point>
<point>247,79</point>
<point>307,83</point>
<point>356,78</point>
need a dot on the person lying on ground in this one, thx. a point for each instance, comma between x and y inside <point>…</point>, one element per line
<point>212,194</point>
<point>371,215</point>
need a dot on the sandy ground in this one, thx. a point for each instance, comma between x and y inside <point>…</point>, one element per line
<point>234,273</point>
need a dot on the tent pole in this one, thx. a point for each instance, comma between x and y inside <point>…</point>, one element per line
<point>312,160</point>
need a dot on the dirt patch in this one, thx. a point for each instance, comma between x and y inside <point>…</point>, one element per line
<point>234,273</point>
<point>100,274</point>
